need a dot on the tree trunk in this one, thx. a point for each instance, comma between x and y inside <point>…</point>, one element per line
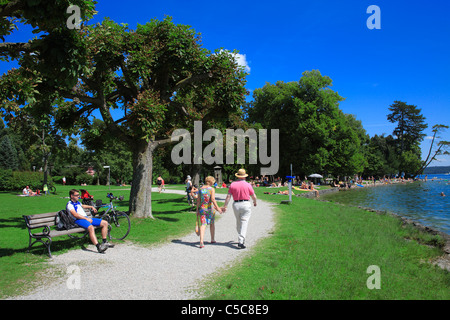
<point>46,155</point>
<point>197,168</point>
<point>45,160</point>
<point>141,189</point>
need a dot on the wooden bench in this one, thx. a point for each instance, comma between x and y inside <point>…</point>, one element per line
<point>46,221</point>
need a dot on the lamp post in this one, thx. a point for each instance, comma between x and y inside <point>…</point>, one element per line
<point>290,188</point>
<point>218,175</point>
<point>109,176</point>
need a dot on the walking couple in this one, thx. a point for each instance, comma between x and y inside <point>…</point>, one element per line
<point>241,191</point>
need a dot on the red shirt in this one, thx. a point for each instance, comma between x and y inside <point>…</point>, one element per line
<point>241,190</point>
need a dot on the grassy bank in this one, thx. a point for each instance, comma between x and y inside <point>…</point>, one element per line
<point>322,250</point>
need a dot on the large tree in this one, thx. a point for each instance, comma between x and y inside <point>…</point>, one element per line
<point>381,156</point>
<point>409,134</point>
<point>144,83</point>
<point>315,135</point>
<point>58,50</point>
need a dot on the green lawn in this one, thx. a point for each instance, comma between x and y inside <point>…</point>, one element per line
<point>318,250</point>
<point>322,251</point>
<point>20,269</point>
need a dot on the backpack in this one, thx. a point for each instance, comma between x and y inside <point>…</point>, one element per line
<point>63,221</point>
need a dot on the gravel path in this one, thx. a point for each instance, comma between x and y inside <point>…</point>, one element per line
<point>167,271</point>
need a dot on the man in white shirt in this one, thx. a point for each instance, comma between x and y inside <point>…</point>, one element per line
<point>28,192</point>
<point>76,211</point>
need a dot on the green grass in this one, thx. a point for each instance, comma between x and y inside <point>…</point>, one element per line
<point>322,251</point>
<point>318,250</point>
<point>173,217</point>
<point>21,270</point>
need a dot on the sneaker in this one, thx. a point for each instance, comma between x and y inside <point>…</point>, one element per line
<point>108,245</point>
<point>101,247</point>
<point>241,246</point>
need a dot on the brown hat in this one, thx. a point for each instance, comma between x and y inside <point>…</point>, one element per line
<point>241,173</point>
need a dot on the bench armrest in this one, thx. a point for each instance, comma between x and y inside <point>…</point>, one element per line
<point>45,229</point>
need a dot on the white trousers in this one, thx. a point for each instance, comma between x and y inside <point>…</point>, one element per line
<point>242,212</point>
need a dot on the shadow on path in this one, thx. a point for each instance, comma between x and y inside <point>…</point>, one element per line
<point>229,244</point>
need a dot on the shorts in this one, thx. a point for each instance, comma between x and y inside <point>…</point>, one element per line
<point>86,224</point>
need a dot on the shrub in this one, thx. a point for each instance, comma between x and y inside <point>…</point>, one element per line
<point>5,177</point>
<point>84,178</point>
<point>72,174</point>
<point>17,180</point>
<point>21,179</point>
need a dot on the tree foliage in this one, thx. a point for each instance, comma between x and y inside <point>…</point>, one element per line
<point>58,50</point>
<point>315,135</point>
<point>409,134</point>
<point>382,158</point>
<point>144,83</point>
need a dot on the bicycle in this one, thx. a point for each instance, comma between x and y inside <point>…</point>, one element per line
<point>50,188</point>
<point>119,224</point>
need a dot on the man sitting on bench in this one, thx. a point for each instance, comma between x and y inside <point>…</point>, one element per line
<point>76,211</point>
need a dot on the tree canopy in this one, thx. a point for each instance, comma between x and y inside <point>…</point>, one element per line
<point>143,83</point>
<point>409,134</point>
<point>315,135</point>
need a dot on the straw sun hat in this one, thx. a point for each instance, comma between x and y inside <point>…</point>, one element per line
<point>241,173</point>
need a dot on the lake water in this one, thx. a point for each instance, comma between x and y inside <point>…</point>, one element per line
<point>418,201</point>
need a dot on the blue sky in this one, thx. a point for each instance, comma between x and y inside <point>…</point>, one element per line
<point>408,59</point>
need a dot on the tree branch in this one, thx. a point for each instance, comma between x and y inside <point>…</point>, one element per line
<point>180,106</point>
<point>110,123</point>
<point>83,98</point>
<point>15,47</point>
<point>429,152</point>
<point>130,83</point>
<point>11,8</point>
<point>192,79</point>
<point>162,142</point>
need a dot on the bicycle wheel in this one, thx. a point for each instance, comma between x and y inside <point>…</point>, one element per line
<point>107,218</point>
<point>120,225</point>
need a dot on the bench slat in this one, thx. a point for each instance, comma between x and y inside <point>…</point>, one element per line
<point>44,217</point>
<point>50,221</point>
<point>56,233</point>
<point>41,215</point>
